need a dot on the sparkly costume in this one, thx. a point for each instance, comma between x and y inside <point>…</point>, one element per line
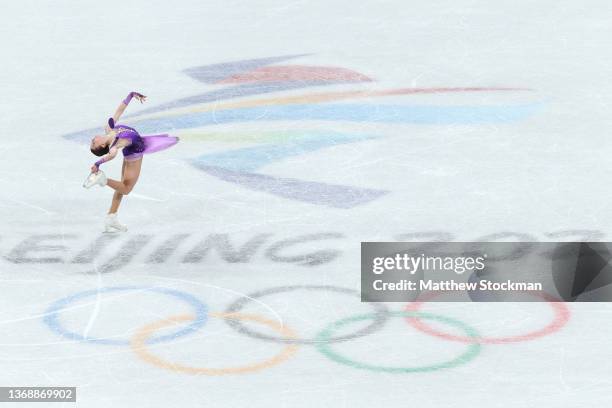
<point>139,145</point>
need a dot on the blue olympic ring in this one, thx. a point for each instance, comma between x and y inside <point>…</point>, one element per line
<point>52,314</point>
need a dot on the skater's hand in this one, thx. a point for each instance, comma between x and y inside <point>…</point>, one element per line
<point>94,169</point>
<point>142,98</point>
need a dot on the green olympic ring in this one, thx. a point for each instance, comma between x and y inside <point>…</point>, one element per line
<point>325,347</point>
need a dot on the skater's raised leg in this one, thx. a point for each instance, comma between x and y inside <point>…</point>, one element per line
<point>129,179</point>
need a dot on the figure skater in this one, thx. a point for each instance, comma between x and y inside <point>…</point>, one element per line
<point>121,137</point>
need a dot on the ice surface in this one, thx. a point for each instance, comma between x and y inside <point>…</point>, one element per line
<point>280,173</point>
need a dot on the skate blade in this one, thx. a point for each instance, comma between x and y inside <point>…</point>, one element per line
<point>87,183</point>
<point>113,230</point>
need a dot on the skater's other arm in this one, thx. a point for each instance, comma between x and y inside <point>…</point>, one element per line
<point>112,152</point>
<point>122,106</point>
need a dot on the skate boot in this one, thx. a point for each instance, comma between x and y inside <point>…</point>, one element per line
<point>95,178</point>
<point>112,224</point>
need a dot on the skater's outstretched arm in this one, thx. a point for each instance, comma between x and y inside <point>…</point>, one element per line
<point>122,106</point>
<point>112,152</point>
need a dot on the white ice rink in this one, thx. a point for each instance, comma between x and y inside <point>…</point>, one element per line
<point>306,128</point>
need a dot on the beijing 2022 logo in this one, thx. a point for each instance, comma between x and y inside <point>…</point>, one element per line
<point>271,92</point>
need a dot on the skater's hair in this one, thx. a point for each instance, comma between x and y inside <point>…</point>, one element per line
<point>100,151</point>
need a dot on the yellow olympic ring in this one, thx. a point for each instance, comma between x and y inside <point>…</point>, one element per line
<point>139,340</point>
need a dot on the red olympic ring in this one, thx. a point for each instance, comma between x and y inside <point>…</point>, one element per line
<point>562,315</point>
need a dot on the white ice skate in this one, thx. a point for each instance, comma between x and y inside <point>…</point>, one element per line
<point>113,225</point>
<point>98,178</point>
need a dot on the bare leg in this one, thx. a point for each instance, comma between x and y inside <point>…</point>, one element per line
<point>130,175</point>
<point>117,196</point>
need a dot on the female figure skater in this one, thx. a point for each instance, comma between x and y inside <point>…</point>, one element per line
<point>121,137</point>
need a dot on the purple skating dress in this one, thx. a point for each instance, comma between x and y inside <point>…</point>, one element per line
<point>140,145</point>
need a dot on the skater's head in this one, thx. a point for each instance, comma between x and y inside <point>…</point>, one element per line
<point>99,145</point>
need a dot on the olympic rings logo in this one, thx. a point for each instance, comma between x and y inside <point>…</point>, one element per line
<point>325,341</point>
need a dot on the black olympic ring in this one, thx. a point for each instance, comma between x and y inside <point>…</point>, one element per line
<point>381,314</point>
